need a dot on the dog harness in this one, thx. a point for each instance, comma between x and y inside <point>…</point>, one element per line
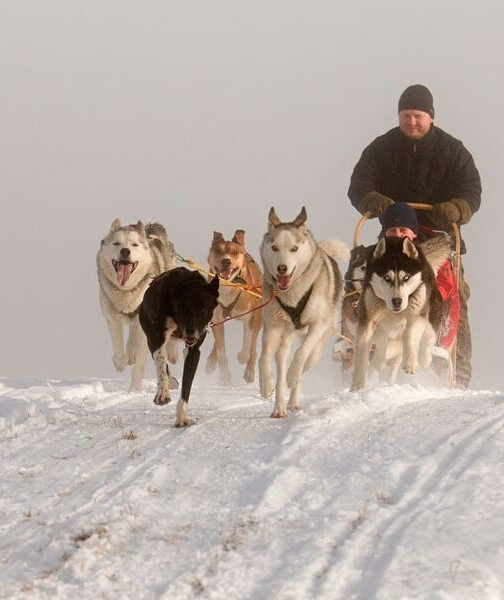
<point>227,310</point>
<point>295,312</point>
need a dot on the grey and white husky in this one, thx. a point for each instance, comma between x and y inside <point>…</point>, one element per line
<point>400,306</point>
<point>307,284</point>
<point>129,258</point>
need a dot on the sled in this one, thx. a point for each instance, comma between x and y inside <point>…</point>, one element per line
<point>445,352</point>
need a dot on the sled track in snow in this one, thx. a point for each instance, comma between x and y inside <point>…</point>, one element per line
<point>417,494</point>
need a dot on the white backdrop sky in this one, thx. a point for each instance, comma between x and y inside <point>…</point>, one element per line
<point>203,114</point>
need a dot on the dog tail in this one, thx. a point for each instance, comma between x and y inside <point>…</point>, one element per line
<point>155,230</point>
<point>436,250</point>
<point>159,239</point>
<point>336,249</point>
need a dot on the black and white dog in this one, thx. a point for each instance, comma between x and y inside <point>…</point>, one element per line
<point>400,302</point>
<point>178,305</point>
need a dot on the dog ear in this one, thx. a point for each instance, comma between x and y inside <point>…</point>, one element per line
<point>379,250</point>
<point>217,236</point>
<point>301,218</point>
<point>409,248</point>
<point>116,225</point>
<point>239,237</point>
<point>150,303</point>
<point>274,221</point>
<point>213,286</point>
<point>140,228</point>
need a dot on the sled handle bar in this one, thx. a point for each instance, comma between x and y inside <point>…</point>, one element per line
<point>417,206</point>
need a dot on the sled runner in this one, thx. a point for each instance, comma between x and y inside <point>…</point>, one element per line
<point>447,283</point>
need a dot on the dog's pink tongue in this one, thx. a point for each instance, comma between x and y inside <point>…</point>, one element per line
<point>123,272</point>
<point>283,281</point>
<point>225,274</point>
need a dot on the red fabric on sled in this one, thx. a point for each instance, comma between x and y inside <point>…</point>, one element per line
<point>447,286</point>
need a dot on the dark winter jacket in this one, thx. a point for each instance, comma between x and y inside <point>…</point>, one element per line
<point>433,169</point>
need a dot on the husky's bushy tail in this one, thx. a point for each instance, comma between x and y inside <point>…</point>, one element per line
<point>336,249</point>
<point>156,230</point>
<point>159,239</point>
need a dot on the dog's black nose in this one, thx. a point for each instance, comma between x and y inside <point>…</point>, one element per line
<point>282,269</point>
<point>125,252</point>
<point>396,302</point>
<point>226,263</point>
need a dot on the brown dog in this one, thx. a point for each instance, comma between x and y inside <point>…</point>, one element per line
<point>232,263</point>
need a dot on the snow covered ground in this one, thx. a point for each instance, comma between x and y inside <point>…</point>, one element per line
<point>397,492</point>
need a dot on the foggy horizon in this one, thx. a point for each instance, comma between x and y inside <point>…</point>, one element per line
<point>202,116</point>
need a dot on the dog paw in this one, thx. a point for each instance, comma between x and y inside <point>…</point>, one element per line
<point>225,378</point>
<point>211,364</point>
<point>243,357</point>
<point>293,406</point>
<point>182,419</point>
<point>279,413</point>
<point>120,362</point>
<point>135,387</point>
<point>173,383</point>
<point>297,367</point>
<point>357,384</point>
<point>249,374</point>
<point>426,358</point>
<point>184,422</point>
<point>161,398</point>
<point>266,389</point>
<point>292,376</point>
<point>410,365</point>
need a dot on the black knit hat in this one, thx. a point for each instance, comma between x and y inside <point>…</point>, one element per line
<point>399,214</point>
<point>417,97</point>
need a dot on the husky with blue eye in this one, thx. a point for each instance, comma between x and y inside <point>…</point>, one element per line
<point>400,300</point>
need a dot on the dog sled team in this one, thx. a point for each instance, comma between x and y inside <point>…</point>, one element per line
<point>402,303</point>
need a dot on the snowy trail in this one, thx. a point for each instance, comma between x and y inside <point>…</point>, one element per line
<point>391,493</point>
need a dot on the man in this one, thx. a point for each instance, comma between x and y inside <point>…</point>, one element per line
<point>419,162</point>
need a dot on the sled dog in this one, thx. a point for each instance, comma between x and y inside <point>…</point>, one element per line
<point>354,278</point>
<point>344,349</point>
<point>178,305</point>
<point>232,263</point>
<point>400,306</point>
<point>307,284</point>
<point>128,259</point>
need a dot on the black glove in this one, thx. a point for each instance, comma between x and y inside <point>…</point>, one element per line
<point>374,203</point>
<point>452,211</point>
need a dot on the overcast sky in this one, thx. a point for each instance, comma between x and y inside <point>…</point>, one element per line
<point>202,115</point>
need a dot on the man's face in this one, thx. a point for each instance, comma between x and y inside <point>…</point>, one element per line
<point>414,123</point>
<point>400,232</point>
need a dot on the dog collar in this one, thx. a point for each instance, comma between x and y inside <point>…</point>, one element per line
<point>133,313</point>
